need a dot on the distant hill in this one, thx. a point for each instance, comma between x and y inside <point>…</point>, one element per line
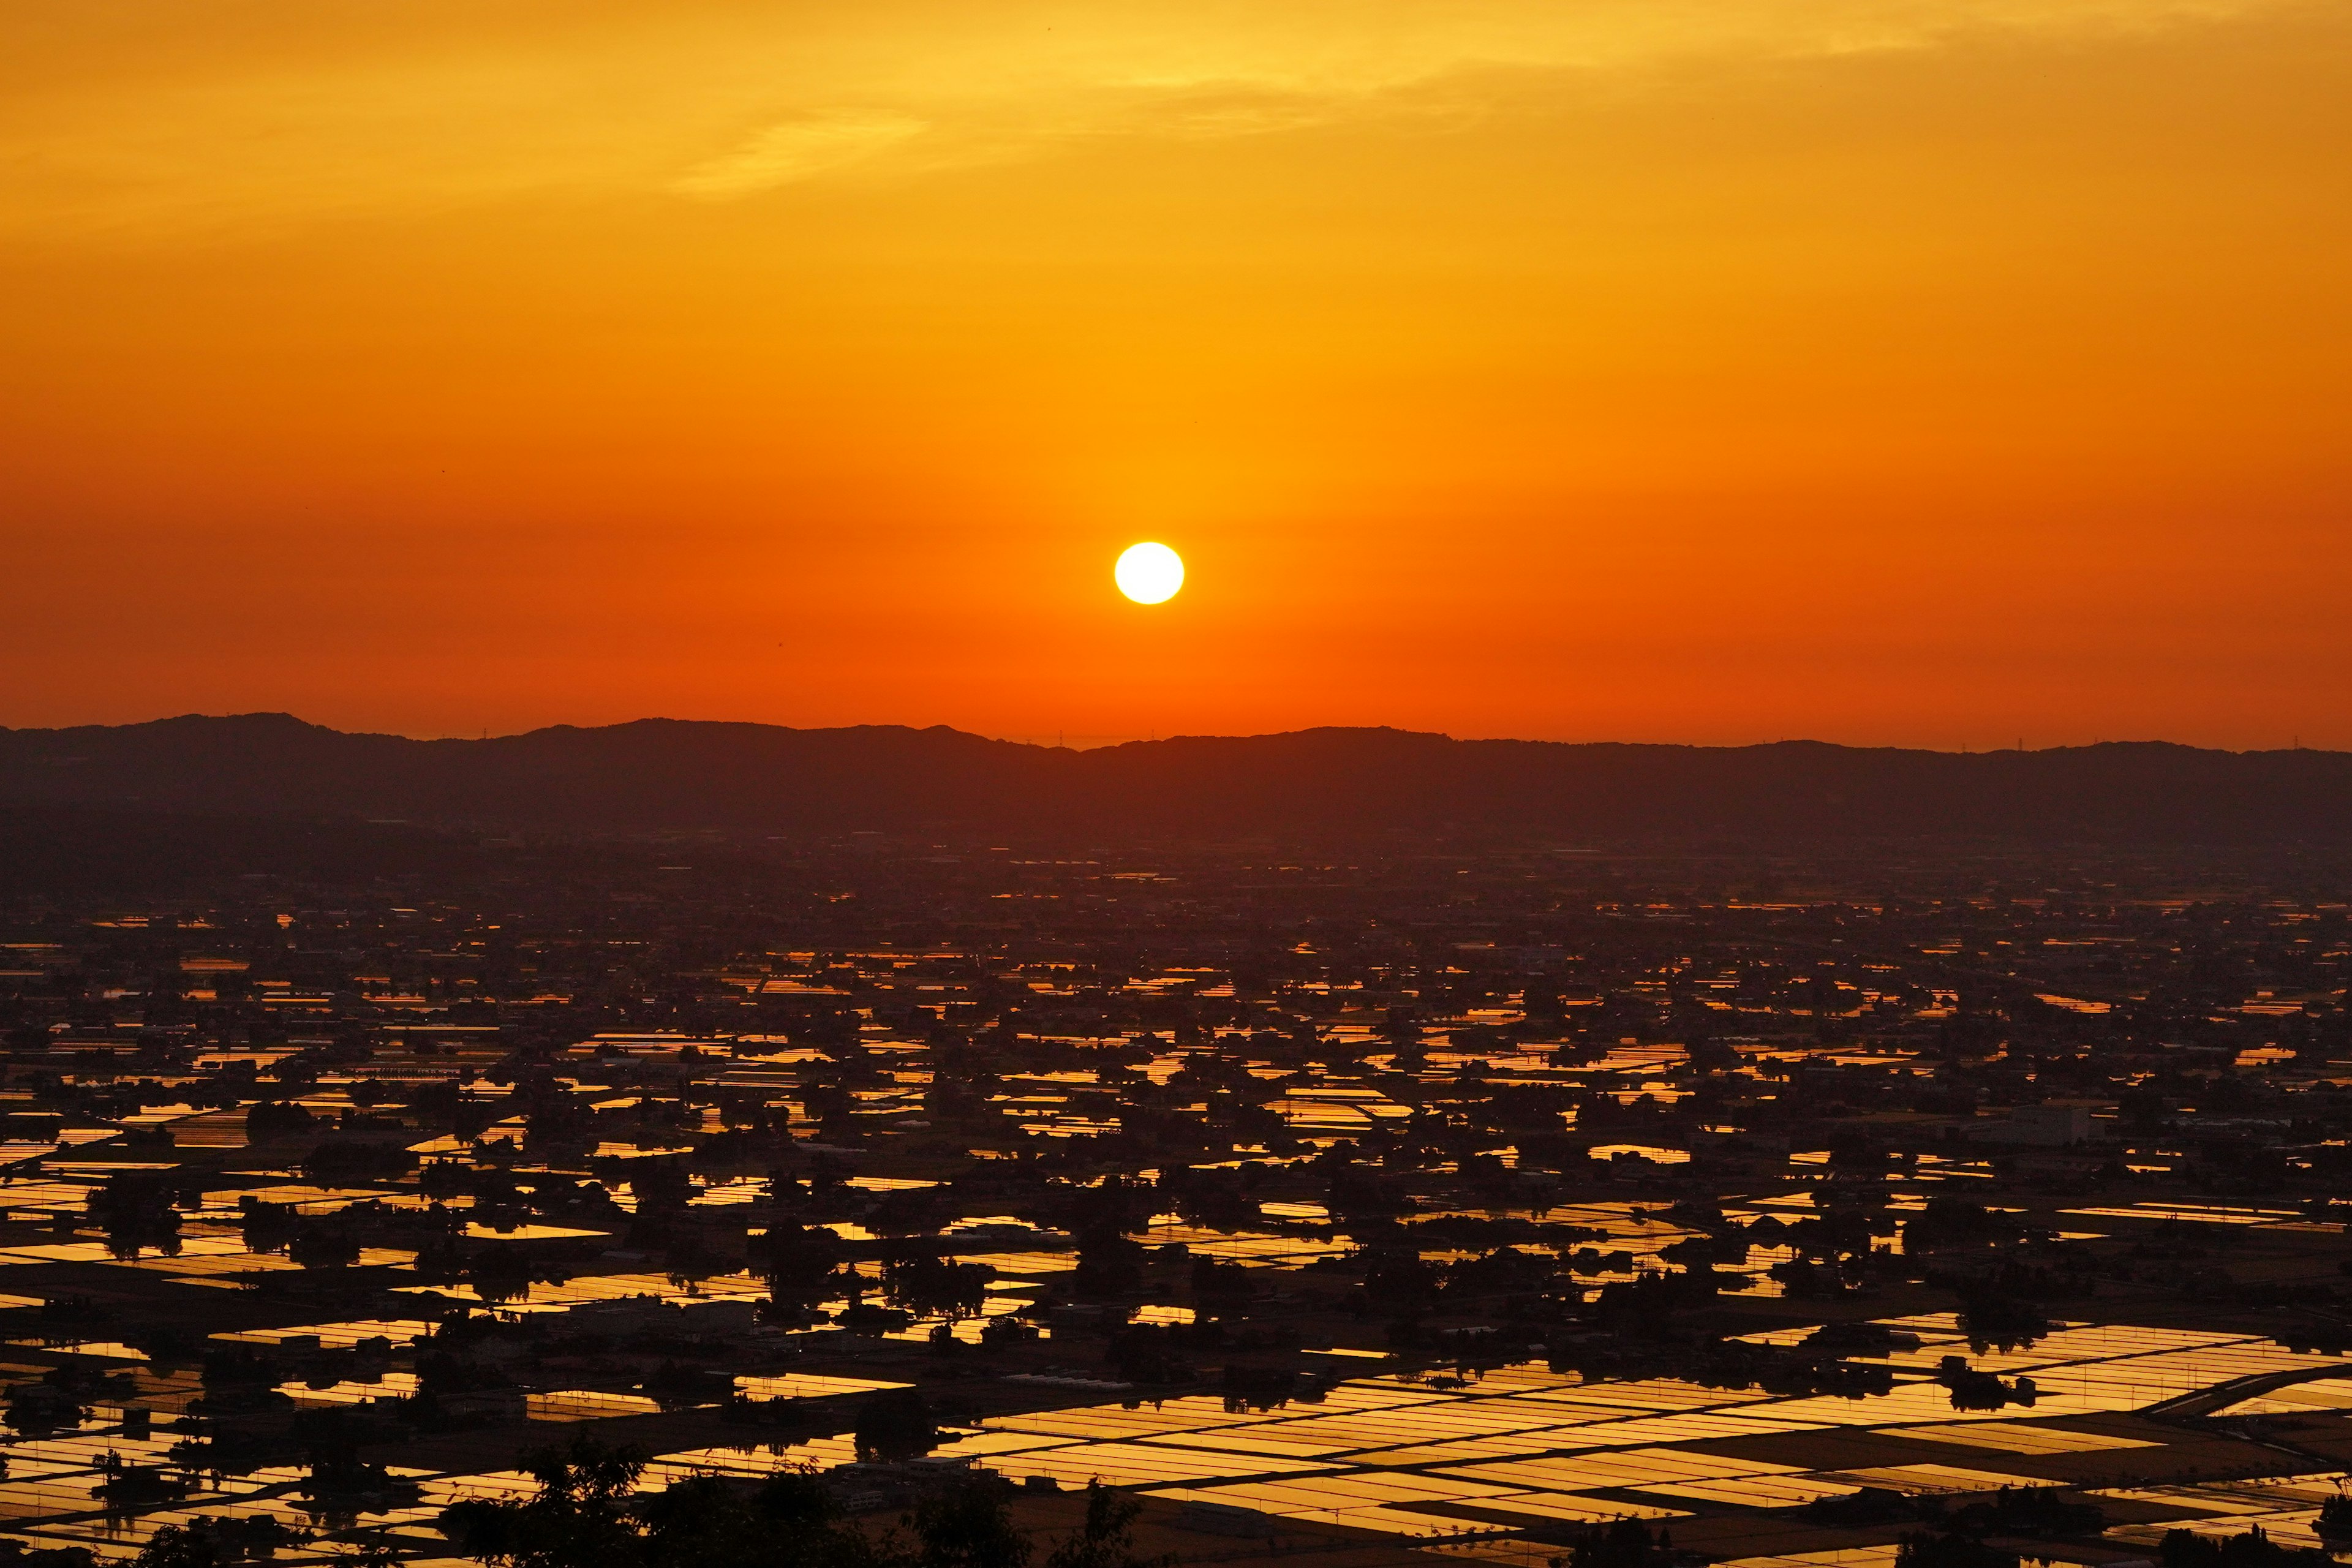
<point>659,773</point>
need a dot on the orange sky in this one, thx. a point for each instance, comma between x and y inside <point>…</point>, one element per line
<point>1927,372</point>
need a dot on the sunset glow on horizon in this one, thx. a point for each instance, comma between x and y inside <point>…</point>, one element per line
<point>1890,372</point>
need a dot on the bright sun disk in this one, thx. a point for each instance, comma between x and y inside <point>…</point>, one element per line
<point>1149,574</point>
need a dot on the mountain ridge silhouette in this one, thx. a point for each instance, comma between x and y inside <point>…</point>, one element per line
<point>664,774</point>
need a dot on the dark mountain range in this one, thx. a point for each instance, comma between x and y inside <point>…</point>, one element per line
<point>657,774</point>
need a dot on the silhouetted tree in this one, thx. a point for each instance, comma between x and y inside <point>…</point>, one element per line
<point>969,1526</point>
<point>894,1423</point>
<point>1105,1539</point>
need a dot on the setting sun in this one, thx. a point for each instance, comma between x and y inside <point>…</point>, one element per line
<point>1149,574</point>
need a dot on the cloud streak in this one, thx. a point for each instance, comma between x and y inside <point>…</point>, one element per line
<point>724,102</point>
<point>801,150</point>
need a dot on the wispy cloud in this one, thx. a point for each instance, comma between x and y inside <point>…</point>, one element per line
<point>1050,77</point>
<point>725,100</point>
<point>799,149</point>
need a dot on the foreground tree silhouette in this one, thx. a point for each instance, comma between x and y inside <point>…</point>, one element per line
<point>582,1515</point>
<point>1102,1541</point>
<point>789,1519</point>
<point>968,1526</point>
<point>588,1514</point>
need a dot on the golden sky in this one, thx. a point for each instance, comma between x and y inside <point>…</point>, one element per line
<point>1920,371</point>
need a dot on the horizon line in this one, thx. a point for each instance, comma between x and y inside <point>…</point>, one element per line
<point>1101,740</point>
